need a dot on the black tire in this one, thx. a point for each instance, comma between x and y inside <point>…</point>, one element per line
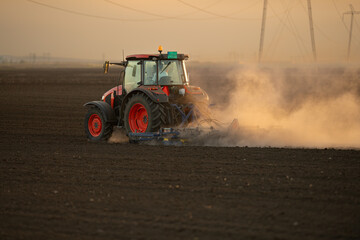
<point>96,129</point>
<point>155,113</point>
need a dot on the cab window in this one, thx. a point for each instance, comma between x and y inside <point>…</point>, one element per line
<point>170,72</point>
<point>132,75</point>
<point>150,73</point>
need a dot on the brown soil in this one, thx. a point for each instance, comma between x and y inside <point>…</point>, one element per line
<point>57,185</point>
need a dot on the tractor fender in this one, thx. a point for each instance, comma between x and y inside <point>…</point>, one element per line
<point>158,98</point>
<point>106,110</point>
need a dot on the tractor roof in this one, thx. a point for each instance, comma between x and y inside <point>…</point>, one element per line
<point>179,56</point>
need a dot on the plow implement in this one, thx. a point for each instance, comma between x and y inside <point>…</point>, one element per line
<point>200,130</point>
<point>165,136</point>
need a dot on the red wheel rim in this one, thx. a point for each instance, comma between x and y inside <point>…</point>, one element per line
<point>95,125</point>
<point>138,118</point>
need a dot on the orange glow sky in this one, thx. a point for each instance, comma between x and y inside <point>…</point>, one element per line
<point>223,29</point>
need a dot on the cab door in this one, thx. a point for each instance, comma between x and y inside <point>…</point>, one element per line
<point>132,78</point>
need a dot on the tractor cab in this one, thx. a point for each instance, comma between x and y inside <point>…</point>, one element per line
<point>161,70</point>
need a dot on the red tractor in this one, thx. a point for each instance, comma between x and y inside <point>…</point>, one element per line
<point>153,93</point>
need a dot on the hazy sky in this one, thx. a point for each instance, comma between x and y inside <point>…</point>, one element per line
<point>205,29</point>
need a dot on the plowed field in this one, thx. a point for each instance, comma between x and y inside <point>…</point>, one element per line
<point>57,185</point>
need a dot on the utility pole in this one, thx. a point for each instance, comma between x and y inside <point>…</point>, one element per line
<point>262,31</point>
<point>312,30</point>
<point>352,12</point>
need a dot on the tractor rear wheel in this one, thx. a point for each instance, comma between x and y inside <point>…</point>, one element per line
<point>96,128</point>
<point>143,115</point>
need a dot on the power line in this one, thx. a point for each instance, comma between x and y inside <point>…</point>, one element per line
<point>318,28</point>
<point>181,17</point>
<point>342,19</point>
<point>159,17</point>
<point>204,10</point>
<point>89,15</point>
<point>289,28</point>
<point>162,16</point>
<point>352,12</point>
<point>277,35</point>
<point>214,14</point>
<point>275,40</point>
<point>299,41</point>
<point>338,12</point>
<point>135,10</point>
<point>245,8</point>
<point>357,24</point>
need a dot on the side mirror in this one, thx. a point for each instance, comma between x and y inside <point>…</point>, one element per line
<point>106,67</point>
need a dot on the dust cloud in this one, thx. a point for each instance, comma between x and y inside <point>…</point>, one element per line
<point>259,106</point>
<point>303,106</point>
<point>118,136</point>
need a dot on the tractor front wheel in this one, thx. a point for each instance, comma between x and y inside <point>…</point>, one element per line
<point>143,115</point>
<point>96,128</point>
